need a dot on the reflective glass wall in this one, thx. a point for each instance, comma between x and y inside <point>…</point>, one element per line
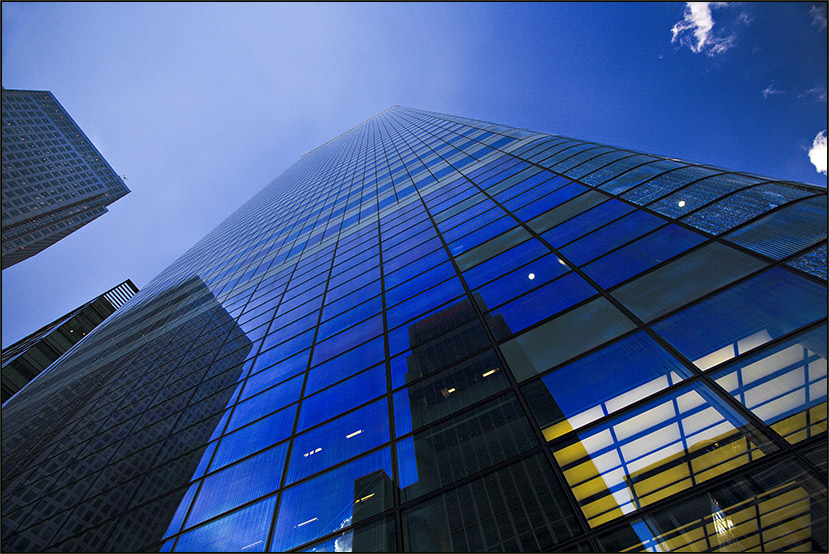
<point>436,334</point>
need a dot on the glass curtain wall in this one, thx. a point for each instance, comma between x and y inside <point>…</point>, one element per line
<point>434,334</point>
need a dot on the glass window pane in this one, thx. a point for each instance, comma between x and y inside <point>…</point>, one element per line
<point>242,531</point>
<point>652,249</point>
<point>635,176</point>
<point>520,507</point>
<point>462,446</point>
<point>232,486</point>
<point>700,193</point>
<point>744,317</point>
<point>610,236</point>
<point>438,338</point>
<point>785,231</point>
<point>377,536</point>
<point>562,338</point>
<point>518,281</point>
<point>657,450</point>
<point>812,262</point>
<point>447,392</point>
<point>620,374</point>
<point>491,248</point>
<point>742,206</point>
<point>340,398</point>
<point>666,183</point>
<point>571,208</point>
<point>685,279</point>
<point>497,265</point>
<point>338,440</point>
<point>775,509</point>
<point>334,500</point>
<point>268,401</point>
<point>340,367</point>
<point>584,223</point>
<point>254,437</point>
<point>784,385</point>
<point>539,305</point>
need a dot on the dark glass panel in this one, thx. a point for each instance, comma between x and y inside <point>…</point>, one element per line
<point>562,338</point>
<point>468,443</point>
<point>685,279</point>
<point>780,508</point>
<point>520,507</point>
<point>447,392</point>
<point>744,317</point>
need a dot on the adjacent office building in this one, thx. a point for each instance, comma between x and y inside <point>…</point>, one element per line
<point>25,359</point>
<point>436,333</point>
<point>54,179</point>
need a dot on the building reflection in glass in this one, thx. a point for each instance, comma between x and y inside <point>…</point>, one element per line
<point>120,457</point>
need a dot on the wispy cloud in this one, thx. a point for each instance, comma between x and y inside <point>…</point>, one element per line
<point>696,30</point>
<point>818,14</point>
<point>817,154</point>
<point>818,93</point>
<point>771,90</point>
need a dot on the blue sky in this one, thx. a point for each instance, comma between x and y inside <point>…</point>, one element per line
<point>202,105</point>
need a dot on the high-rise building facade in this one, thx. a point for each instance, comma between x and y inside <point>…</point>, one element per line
<point>25,359</point>
<point>54,179</point>
<point>435,333</point>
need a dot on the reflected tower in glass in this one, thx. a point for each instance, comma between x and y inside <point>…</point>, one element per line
<point>439,334</point>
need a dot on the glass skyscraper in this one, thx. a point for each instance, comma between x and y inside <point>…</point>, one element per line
<point>435,333</point>
<point>54,179</point>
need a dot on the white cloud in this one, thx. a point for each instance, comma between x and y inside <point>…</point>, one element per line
<point>819,94</point>
<point>696,30</point>
<point>771,91</point>
<point>818,15</point>
<point>817,154</point>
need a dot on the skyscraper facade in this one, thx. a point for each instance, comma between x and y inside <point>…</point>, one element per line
<point>434,333</point>
<point>25,359</point>
<point>54,179</point>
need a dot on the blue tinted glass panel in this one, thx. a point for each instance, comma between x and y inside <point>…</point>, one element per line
<point>568,335</point>
<point>550,201</point>
<point>424,301</point>
<point>609,237</point>
<point>639,255</point>
<point>233,486</point>
<point>586,222</point>
<point>334,500</point>
<point>349,318</point>
<point>242,531</point>
<point>266,402</point>
<point>744,317</point>
<point>353,361</point>
<point>419,283</point>
<point>348,339</point>
<point>340,398</point>
<point>254,437</point>
<point>504,262</point>
<point>620,374</point>
<point>481,235</point>
<point>276,373</point>
<point>518,281</point>
<point>538,305</point>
